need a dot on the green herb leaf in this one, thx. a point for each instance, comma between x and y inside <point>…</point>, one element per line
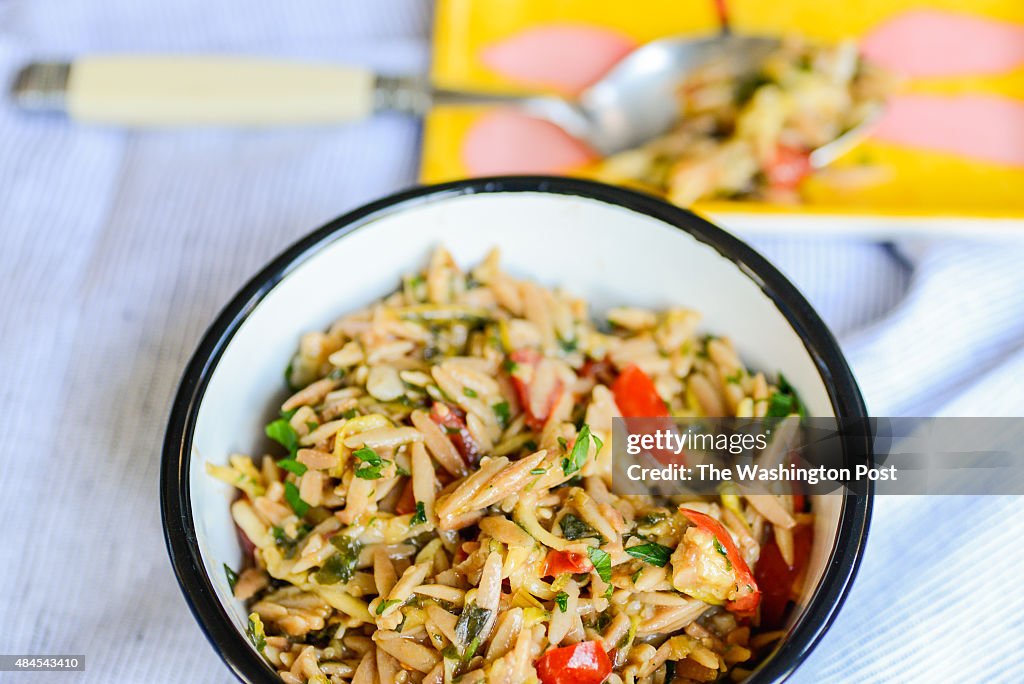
<point>503,412</point>
<point>367,455</point>
<point>573,528</point>
<point>291,495</point>
<point>369,472</point>
<point>562,599</point>
<point>471,650</point>
<point>350,414</point>
<point>421,515</point>
<point>509,366</point>
<point>341,566</point>
<point>384,605</point>
<point>232,576</point>
<point>602,563</point>
<point>372,464</point>
<point>292,466</point>
<point>578,456</point>
<point>785,402</point>
<point>282,432</point>
<point>288,376</point>
<point>538,471</point>
<point>652,553</point>
<point>725,554</point>
<point>469,392</point>
<point>471,623</point>
<point>255,632</point>
<point>568,346</point>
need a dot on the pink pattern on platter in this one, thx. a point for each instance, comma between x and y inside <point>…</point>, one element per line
<point>983,127</point>
<point>505,141</point>
<point>565,57</point>
<point>926,43</point>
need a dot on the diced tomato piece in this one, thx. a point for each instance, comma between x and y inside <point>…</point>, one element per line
<point>454,426</point>
<point>749,594</point>
<point>560,562</point>
<point>789,167</point>
<point>582,663</point>
<point>534,419</point>
<point>776,579</point>
<point>636,396</point>
<point>407,501</point>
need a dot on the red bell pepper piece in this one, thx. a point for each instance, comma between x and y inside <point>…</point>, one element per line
<point>776,579</point>
<point>789,167</point>
<point>636,396</point>
<point>582,663</point>
<point>746,604</point>
<point>560,562</point>
<point>451,421</point>
<point>532,358</point>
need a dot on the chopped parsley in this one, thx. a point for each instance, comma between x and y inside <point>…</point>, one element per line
<point>372,464</point>
<point>562,599</point>
<point>469,627</point>
<point>471,649</point>
<point>578,456</point>
<point>255,632</point>
<point>420,516</point>
<point>469,392</point>
<point>282,432</point>
<point>573,529</point>
<point>509,366</point>
<point>291,495</point>
<point>285,543</point>
<point>602,563</point>
<point>652,553</point>
<point>384,605</point>
<point>231,575</point>
<point>341,566</point>
<point>292,466</point>
<point>725,554</point>
<point>785,402</point>
<point>538,471</point>
<point>502,411</point>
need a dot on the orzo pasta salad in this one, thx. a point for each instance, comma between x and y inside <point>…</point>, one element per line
<point>440,506</point>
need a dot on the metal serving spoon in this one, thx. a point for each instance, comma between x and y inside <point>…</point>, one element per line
<point>633,103</point>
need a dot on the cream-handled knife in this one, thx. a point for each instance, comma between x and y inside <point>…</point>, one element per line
<point>145,91</point>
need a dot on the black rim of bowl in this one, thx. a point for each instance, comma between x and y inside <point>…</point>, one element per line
<point>175,500</point>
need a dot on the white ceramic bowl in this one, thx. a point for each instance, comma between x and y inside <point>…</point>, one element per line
<point>609,245</point>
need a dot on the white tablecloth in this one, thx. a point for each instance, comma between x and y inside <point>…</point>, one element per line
<point>117,249</point>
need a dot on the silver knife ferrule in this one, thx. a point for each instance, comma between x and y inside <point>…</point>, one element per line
<point>406,94</point>
<point>42,86</point>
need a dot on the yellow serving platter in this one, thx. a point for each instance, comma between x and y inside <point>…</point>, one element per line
<point>930,186</point>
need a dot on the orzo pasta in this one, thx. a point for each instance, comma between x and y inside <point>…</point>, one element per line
<point>444,509</point>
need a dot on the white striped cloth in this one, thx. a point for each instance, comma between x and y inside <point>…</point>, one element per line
<point>117,249</point>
